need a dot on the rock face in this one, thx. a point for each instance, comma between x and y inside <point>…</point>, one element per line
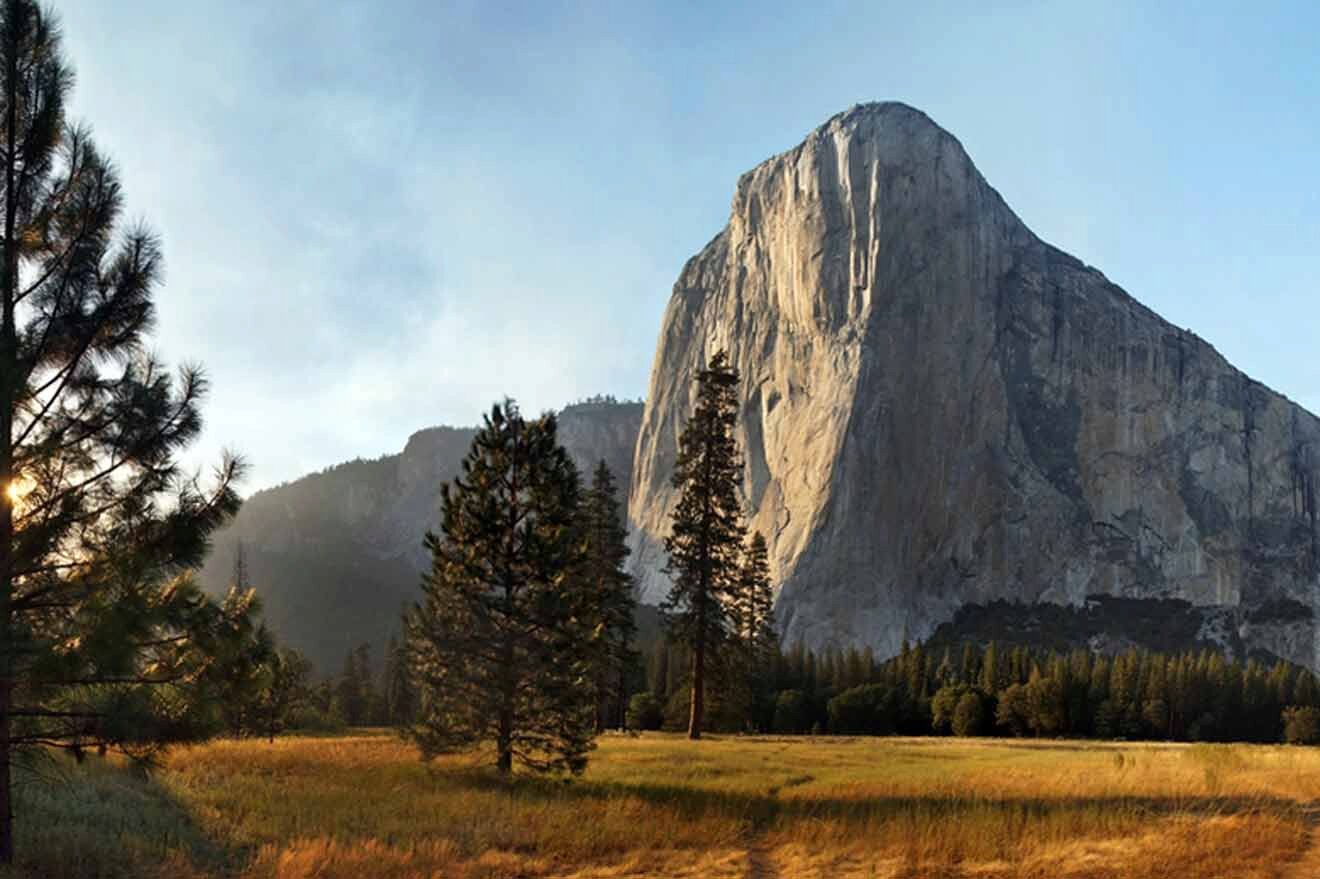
<point>334,555</point>
<point>940,409</point>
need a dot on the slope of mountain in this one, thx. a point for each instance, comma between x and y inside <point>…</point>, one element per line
<point>940,409</point>
<point>336,554</point>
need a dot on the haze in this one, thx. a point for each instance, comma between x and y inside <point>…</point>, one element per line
<point>384,216</point>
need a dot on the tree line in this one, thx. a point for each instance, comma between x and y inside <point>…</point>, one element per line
<point>973,690</point>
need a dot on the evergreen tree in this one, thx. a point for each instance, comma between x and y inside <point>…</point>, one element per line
<point>97,523</point>
<point>611,590</point>
<point>500,645</point>
<point>243,648</point>
<point>284,689</point>
<point>370,710</point>
<point>705,542</point>
<point>350,691</point>
<point>399,696</point>
<point>968,715</point>
<point>990,675</point>
<point>756,600</point>
<point>659,671</point>
<point>751,613</point>
<point>237,659</point>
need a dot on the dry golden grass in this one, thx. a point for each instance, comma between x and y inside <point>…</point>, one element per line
<point>661,806</point>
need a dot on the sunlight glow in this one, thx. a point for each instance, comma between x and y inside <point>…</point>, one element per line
<point>18,489</point>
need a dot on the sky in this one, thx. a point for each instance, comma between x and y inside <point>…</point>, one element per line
<point>381,216</point>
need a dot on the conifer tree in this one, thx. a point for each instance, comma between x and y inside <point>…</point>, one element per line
<point>500,645</point>
<point>755,641</point>
<point>371,701</point>
<point>400,699</point>
<point>348,691</point>
<point>705,542</point>
<point>611,588</point>
<point>757,598</point>
<point>355,694</point>
<point>235,669</point>
<point>97,522</point>
<point>659,672</point>
<point>234,673</point>
<point>284,689</point>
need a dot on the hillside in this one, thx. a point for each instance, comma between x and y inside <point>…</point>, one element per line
<point>336,554</point>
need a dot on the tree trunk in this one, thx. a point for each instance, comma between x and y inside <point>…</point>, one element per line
<point>621,700</point>
<point>698,704</point>
<point>8,393</point>
<point>6,789</point>
<point>504,743</point>
<point>504,735</point>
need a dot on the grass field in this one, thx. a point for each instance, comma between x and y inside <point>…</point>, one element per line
<point>363,806</point>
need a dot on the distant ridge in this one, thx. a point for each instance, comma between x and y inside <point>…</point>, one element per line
<point>335,554</point>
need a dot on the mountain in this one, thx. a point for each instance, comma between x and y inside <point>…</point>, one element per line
<point>942,411</point>
<point>335,555</point>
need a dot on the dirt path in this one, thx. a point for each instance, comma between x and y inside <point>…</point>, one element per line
<point>760,865</point>
<point>1308,865</point>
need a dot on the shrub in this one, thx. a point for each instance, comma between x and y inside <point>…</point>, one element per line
<point>792,712</point>
<point>309,719</point>
<point>645,712</point>
<point>677,709</point>
<point>968,715</point>
<point>1014,710</point>
<point>1301,726</point>
<point>866,710</point>
<point>943,705</point>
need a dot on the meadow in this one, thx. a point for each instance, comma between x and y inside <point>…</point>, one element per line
<point>659,805</point>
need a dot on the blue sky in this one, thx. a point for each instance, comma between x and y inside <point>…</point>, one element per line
<point>380,216</point>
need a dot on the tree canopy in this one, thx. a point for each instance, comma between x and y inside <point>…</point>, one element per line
<point>99,620</point>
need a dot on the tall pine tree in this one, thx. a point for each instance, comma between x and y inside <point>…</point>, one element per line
<point>705,541</point>
<point>397,688</point>
<point>756,601</point>
<point>749,658</point>
<point>96,520</point>
<point>235,672</point>
<point>285,677</point>
<point>352,701</point>
<point>500,645</point>
<point>611,591</point>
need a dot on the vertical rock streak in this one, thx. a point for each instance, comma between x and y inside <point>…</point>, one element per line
<point>941,409</point>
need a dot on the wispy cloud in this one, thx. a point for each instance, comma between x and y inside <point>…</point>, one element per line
<point>380,216</point>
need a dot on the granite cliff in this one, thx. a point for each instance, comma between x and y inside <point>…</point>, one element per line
<point>940,409</point>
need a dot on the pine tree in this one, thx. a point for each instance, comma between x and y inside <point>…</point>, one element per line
<point>758,597</point>
<point>350,696</point>
<point>284,689</point>
<point>659,676</point>
<point>990,675</point>
<point>500,645</point>
<point>756,641</point>
<point>243,648</point>
<point>705,543</point>
<point>233,677</point>
<point>97,523</point>
<point>611,589</point>
<point>400,699</point>
<point>370,711</point>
